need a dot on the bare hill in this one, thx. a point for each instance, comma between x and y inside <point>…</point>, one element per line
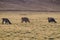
<point>39,5</point>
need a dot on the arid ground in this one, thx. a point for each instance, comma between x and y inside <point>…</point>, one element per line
<point>38,29</point>
<point>31,5</point>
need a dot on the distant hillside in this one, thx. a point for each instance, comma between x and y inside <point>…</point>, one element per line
<point>39,5</point>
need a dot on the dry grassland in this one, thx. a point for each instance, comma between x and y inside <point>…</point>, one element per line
<point>38,29</point>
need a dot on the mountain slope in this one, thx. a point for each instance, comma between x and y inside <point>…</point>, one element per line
<point>41,5</point>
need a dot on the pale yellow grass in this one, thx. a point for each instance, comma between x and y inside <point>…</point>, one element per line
<point>37,29</point>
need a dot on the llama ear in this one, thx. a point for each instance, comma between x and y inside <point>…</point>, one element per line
<point>48,17</point>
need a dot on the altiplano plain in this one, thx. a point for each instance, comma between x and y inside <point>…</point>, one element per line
<point>38,29</point>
